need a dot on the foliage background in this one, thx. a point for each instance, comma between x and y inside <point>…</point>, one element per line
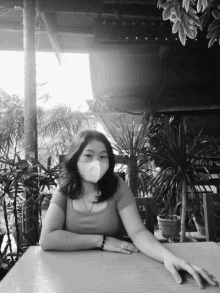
<point>188,17</point>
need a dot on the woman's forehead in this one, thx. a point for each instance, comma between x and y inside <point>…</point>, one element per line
<point>95,145</point>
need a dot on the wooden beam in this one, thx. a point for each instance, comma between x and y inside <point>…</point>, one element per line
<point>45,18</point>
<point>186,110</point>
<point>120,159</point>
<point>60,5</point>
<point>70,43</point>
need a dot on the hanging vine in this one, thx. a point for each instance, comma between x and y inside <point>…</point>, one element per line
<point>190,16</point>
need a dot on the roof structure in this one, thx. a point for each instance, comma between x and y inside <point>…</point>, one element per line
<point>135,59</point>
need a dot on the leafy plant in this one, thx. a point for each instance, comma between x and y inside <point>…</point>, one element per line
<point>56,129</point>
<point>175,153</point>
<point>130,137</point>
<point>56,126</point>
<point>189,16</point>
<point>6,261</point>
<point>15,179</point>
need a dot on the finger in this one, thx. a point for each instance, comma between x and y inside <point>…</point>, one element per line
<point>122,250</point>
<point>125,251</point>
<point>215,280</point>
<point>208,277</point>
<point>175,274</point>
<point>187,267</point>
<point>129,246</point>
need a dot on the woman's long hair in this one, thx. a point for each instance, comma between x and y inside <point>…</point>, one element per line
<point>70,180</point>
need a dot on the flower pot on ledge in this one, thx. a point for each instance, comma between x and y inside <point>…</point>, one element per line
<point>177,239</point>
<point>169,225</point>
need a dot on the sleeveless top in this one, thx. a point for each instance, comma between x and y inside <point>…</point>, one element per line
<point>104,222</point>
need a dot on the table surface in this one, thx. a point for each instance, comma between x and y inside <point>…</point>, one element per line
<point>98,271</point>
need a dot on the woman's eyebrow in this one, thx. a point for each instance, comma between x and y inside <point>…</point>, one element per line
<point>88,150</point>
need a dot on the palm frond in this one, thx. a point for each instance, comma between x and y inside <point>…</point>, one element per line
<point>59,118</point>
<point>130,136</point>
<point>198,136</point>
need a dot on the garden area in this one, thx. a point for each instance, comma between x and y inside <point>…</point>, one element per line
<point>162,154</point>
<point>173,158</point>
<point>26,185</point>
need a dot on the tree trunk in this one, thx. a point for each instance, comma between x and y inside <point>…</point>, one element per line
<point>30,116</point>
<point>183,212</point>
<point>133,174</point>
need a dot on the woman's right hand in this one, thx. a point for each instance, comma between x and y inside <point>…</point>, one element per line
<point>115,245</point>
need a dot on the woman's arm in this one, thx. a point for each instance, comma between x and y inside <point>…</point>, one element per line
<point>54,238</point>
<point>140,236</point>
<point>150,246</point>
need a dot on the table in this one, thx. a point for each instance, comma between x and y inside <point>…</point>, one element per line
<point>98,271</point>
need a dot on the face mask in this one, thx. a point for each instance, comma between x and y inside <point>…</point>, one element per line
<point>92,171</point>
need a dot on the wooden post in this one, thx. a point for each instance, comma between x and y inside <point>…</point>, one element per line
<point>208,205</point>
<point>183,212</point>
<point>133,174</point>
<point>30,115</point>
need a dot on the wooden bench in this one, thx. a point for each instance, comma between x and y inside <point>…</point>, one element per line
<point>211,203</point>
<point>146,208</point>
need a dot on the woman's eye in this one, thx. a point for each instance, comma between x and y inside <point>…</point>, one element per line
<point>88,156</point>
<point>104,157</point>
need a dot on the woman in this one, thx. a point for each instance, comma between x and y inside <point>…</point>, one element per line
<point>92,207</point>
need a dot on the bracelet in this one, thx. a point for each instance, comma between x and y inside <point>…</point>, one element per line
<point>103,242</point>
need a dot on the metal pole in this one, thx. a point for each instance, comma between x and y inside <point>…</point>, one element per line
<point>30,113</point>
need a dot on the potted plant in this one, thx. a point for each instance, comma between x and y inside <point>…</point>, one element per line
<point>169,224</point>
<point>174,151</point>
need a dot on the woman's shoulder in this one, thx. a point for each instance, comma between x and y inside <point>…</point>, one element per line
<point>58,192</point>
<point>122,188</point>
<point>123,195</point>
<point>121,184</point>
<point>59,198</point>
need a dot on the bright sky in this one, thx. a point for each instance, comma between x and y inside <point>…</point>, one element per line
<point>69,84</point>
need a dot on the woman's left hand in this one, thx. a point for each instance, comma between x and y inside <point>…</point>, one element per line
<point>173,264</point>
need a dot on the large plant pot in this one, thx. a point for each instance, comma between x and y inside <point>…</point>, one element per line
<point>169,226</point>
<point>2,234</point>
<point>177,239</point>
<point>199,223</point>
